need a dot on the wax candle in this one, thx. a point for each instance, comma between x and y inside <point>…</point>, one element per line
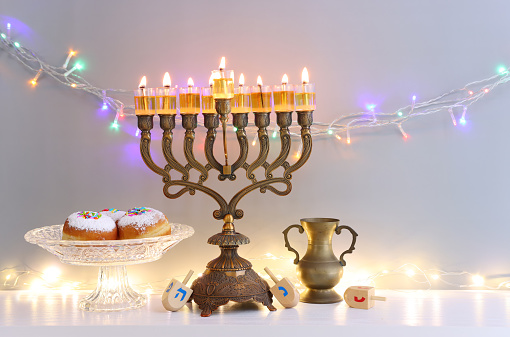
<point>223,82</point>
<point>305,94</point>
<point>241,102</point>
<point>145,99</point>
<point>284,95</point>
<point>261,97</point>
<point>166,98</point>
<point>189,99</point>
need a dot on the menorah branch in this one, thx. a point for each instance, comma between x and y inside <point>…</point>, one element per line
<point>145,124</point>
<point>262,122</point>
<point>167,124</point>
<point>284,120</point>
<point>189,122</point>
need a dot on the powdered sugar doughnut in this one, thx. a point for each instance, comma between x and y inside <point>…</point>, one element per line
<point>84,226</point>
<point>143,222</point>
<point>113,213</point>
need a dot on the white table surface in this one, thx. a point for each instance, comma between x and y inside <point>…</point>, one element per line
<point>416,313</point>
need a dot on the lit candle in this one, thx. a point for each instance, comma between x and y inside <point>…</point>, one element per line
<point>241,101</point>
<point>261,98</point>
<point>145,99</point>
<point>189,99</point>
<point>223,82</point>
<point>207,98</point>
<point>166,98</point>
<point>284,95</point>
<point>305,94</point>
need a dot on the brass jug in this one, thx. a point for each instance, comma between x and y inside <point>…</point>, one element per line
<point>319,270</point>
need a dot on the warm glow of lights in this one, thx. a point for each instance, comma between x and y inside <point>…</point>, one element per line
<point>34,83</point>
<point>478,280</point>
<point>470,92</point>
<point>259,81</point>
<point>72,52</point>
<point>73,85</point>
<point>8,277</point>
<point>37,284</point>
<point>385,271</point>
<point>410,272</point>
<point>285,79</point>
<point>241,80</point>
<point>190,82</point>
<point>143,83</point>
<point>338,137</point>
<point>254,142</point>
<point>222,63</point>
<point>435,277</point>
<point>167,82</point>
<point>298,154</point>
<point>485,90</point>
<point>348,140</point>
<point>304,76</point>
<point>51,274</point>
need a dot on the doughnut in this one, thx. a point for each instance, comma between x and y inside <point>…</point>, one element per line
<point>84,226</point>
<point>143,222</point>
<point>113,213</point>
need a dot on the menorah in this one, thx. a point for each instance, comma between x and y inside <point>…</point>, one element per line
<point>228,277</point>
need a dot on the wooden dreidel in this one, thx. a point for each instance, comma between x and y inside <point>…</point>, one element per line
<point>177,294</point>
<point>284,291</point>
<point>361,297</point>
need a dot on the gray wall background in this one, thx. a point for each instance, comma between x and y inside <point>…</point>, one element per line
<point>439,200</point>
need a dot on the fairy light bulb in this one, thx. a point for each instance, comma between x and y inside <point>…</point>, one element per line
<point>478,280</point>
<point>105,106</point>
<point>450,111</point>
<point>3,36</point>
<point>410,272</point>
<point>399,114</point>
<point>330,132</point>
<point>69,56</point>
<point>73,85</point>
<point>77,66</point>
<point>435,277</point>
<point>338,137</point>
<point>486,90</point>
<point>17,45</point>
<point>7,278</point>
<point>470,92</point>
<point>51,274</point>
<point>462,119</point>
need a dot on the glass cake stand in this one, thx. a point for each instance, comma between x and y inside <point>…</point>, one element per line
<point>113,292</point>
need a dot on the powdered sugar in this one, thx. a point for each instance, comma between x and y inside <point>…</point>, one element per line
<point>113,213</point>
<point>141,220</point>
<point>101,224</point>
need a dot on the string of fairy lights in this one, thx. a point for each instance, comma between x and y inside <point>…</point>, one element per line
<point>454,102</point>
<point>24,278</point>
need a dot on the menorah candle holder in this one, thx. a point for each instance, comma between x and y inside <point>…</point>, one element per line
<point>228,277</point>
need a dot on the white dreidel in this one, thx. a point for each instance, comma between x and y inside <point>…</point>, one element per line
<point>361,297</point>
<point>284,291</point>
<point>177,294</point>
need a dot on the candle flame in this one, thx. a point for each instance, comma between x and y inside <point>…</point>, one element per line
<point>259,81</point>
<point>222,63</point>
<point>285,79</point>
<point>304,76</point>
<point>143,83</point>
<point>211,80</point>
<point>167,82</point>
<point>241,80</point>
<point>190,82</point>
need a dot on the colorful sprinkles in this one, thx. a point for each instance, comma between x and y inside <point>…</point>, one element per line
<point>113,210</point>
<point>89,215</point>
<point>137,211</point>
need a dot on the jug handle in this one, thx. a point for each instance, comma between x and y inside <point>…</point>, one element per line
<point>338,230</point>
<point>287,244</point>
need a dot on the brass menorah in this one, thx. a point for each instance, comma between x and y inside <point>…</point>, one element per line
<point>229,277</point>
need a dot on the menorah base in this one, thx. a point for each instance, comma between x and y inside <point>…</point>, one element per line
<point>216,288</point>
<point>229,277</point>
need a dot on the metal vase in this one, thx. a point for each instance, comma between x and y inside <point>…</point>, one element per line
<point>319,270</point>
